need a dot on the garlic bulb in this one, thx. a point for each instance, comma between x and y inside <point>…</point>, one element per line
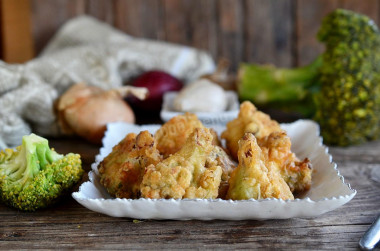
<point>201,96</point>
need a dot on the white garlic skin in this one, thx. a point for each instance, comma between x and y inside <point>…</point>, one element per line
<point>201,96</point>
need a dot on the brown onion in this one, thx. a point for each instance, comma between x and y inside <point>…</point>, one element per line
<point>85,110</point>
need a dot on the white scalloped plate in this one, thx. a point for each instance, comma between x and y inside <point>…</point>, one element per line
<point>328,190</point>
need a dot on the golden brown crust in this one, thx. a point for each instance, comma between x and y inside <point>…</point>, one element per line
<point>277,149</point>
<point>255,177</point>
<point>184,174</point>
<point>173,134</point>
<point>215,138</point>
<point>121,172</point>
<point>218,157</point>
<point>249,120</point>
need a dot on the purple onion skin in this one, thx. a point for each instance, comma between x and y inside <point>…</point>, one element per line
<point>157,82</point>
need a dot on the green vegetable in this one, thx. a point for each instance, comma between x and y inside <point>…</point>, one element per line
<point>349,102</point>
<point>34,176</point>
<point>340,89</point>
<point>282,88</point>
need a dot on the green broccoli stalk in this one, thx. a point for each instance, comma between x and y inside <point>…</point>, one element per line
<point>291,90</point>
<point>340,89</point>
<point>34,176</point>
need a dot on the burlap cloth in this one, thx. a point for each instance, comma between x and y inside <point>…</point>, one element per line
<point>87,50</point>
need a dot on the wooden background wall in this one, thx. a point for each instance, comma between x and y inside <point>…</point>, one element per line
<point>281,32</point>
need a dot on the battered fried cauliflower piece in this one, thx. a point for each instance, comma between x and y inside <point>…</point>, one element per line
<point>249,120</point>
<point>173,134</point>
<point>184,174</point>
<point>277,149</point>
<point>121,172</point>
<point>255,177</point>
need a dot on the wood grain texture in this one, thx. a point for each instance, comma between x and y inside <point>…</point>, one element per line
<point>177,21</point>
<point>101,9</point>
<point>367,7</point>
<point>203,26</point>
<point>309,15</point>
<point>140,18</point>
<point>262,31</point>
<point>269,32</point>
<point>48,16</point>
<point>68,225</point>
<point>231,32</point>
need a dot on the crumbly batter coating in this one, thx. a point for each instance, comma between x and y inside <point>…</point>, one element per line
<point>255,177</point>
<point>171,137</point>
<point>121,172</point>
<point>249,120</point>
<point>277,149</point>
<point>184,174</point>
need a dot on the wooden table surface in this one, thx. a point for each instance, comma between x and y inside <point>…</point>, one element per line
<point>69,225</point>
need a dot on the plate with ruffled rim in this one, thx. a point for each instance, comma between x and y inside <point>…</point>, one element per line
<point>328,191</point>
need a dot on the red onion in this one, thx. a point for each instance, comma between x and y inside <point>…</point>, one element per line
<point>157,82</point>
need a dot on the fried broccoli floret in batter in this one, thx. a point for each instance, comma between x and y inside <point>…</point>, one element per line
<point>184,174</point>
<point>34,176</point>
<point>121,172</point>
<point>297,174</point>
<point>255,177</point>
<point>173,134</point>
<point>249,120</point>
<point>274,143</point>
<point>218,157</point>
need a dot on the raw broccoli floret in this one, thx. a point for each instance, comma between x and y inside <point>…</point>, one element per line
<point>34,176</point>
<point>340,89</point>
<point>348,106</point>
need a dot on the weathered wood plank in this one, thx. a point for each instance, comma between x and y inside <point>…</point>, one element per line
<point>231,32</point>
<point>309,15</point>
<point>101,9</point>
<point>192,23</point>
<point>48,16</point>
<point>368,7</point>
<point>270,32</point>
<point>279,32</point>
<point>140,18</point>
<point>203,24</point>
<point>176,21</point>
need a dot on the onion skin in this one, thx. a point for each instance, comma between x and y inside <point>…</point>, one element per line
<point>157,82</point>
<point>85,110</point>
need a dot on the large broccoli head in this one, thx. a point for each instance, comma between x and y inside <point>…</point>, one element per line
<point>34,176</point>
<point>340,89</point>
<point>348,106</point>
